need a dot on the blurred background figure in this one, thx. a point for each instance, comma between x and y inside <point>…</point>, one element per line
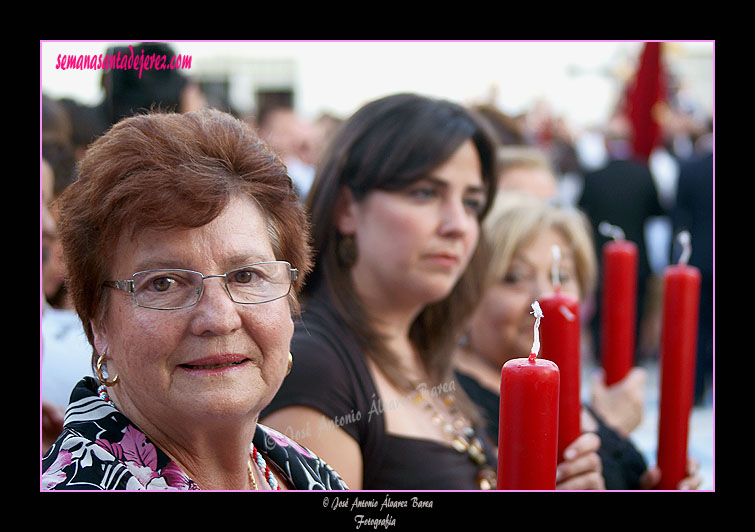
<point>623,193</point>
<point>507,130</point>
<point>87,123</point>
<point>167,90</point>
<point>57,172</point>
<point>323,130</point>
<point>292,138</point>
<point>57,146</point>
<point>538,152</point>
<point>65,353</point>
<point>526,169</point>
<point>126,91</point>
<point>694,212</point>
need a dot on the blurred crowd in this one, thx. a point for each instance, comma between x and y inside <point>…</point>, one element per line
<point>539,152</point>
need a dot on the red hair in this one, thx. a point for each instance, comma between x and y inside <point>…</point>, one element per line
<point>166,171</point>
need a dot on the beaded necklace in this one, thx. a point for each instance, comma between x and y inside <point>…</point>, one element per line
<point>264,469</point>
<point>256,457</point>
<point>459,431</point>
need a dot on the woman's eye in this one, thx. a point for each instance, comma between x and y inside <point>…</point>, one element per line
<point>242,277</point>
<point>513,277</point>
<point>475,205</point>
<point>567,275</point>
<point>422,193</point>
<point>161,284</point>
<point>246,276</point>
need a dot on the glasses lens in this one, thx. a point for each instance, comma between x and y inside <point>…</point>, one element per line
<point>259,283</point>
<point>167,289</point>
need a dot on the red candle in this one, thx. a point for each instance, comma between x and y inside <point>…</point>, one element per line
<point>560,343</point>
<point>528,431</point>
<point>618,313</point>
<point>681,302</point>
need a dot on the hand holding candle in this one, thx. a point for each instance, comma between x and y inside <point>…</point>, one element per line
<point>618,314</point>
<point>528,430</point>
<point>560,333</point>
<point>681,299</point>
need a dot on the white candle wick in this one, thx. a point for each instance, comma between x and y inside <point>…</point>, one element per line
<point>686,241</point>
<point>538,313</point>
<point>556,264</point>
<point>611,231</point>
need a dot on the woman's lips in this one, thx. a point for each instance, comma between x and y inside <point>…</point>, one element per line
<point>448,260</point>
<point>216,362</point>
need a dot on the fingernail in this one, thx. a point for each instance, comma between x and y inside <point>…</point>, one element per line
<point>570,454</point>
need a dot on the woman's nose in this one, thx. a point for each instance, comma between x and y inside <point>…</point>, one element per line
<point>215,313</point>
<point>455,218</point>
<point>542,285</point>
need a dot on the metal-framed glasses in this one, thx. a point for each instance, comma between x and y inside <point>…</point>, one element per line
<point>172,289</point>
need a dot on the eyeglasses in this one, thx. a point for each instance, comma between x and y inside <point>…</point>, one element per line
<point>174,289</point>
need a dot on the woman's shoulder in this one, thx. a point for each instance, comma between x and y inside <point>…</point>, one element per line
<point>329,371</point>
<point>324,342</point>
<point>302,468</point>
<point>99,449</point>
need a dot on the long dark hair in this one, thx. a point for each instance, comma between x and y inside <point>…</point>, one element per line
<point>389,144</point>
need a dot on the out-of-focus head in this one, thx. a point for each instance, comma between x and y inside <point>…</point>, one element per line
<point>521,232</point>
<point>526,169</point>
<point>287,133</point>
<point>515,219</point>
<point>147,87</point>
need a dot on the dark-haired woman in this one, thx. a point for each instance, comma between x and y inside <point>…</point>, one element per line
<point>395,210</point>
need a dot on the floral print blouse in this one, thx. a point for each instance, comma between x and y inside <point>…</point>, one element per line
<point>100,449</point>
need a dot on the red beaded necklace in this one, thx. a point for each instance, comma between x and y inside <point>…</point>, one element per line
<point>264,468</point>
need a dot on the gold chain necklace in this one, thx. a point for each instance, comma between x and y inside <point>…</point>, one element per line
<point>251,475</point>
<point>458,431</point>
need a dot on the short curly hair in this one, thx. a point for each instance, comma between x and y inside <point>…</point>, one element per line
<point>164,171</point>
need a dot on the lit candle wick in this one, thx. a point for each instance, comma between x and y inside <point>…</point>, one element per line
<point>556,264</point>
<point>538,313</point>
<point>686,241</point>
<point>611,231</point>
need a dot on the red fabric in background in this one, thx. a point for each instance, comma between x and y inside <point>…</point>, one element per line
<point>645,92</point>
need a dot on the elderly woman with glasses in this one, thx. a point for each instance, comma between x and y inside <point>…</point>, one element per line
<point>185,247</point>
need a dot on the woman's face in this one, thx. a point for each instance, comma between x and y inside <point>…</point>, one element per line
<point>502,327</point>
<point>213,360</point>
<point>414,244</point>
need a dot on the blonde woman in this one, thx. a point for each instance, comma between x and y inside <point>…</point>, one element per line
<point>521,231</point>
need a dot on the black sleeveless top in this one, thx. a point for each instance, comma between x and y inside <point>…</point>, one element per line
<point>330,374</point>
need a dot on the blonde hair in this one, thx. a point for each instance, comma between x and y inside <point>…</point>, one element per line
<point>516,218</point>
<point>522,157</point>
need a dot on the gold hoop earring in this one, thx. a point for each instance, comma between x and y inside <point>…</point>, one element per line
<point>103,380</point>
<point>290,363</point>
